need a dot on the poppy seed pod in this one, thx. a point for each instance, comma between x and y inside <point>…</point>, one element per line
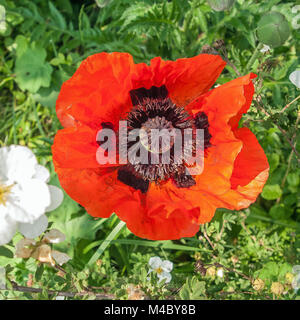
<point>273,29</point>
<point>220,5</point>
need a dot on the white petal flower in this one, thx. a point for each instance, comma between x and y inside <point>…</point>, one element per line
<point>265,48</point>
<point>167,266</point>
<point>155,262</point>
<point>17,163</point>
<point>8,228</point>
<point>54,236</point>
<point>164,276</point>
<point>60,298</point>
<point>161,268</point>
<point>220,273</point>
<point>24,193</point>
<point>60,257</point>
<point>41,173</point>
<point>33,230</point>
<point>57,197</point>
<point>29,200</point>
<point>295,78</point>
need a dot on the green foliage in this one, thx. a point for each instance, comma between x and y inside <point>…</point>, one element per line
<point>31,70</point>
<point>273,29</point>
<point>193,289</point>
<point>42,44</point>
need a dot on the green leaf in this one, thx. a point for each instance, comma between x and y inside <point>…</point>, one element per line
<point>293,179</point>
<point>106,243</point>
<point>5,252</point>
<point>279,211</point>
<point>271,192</point>
<point>21,45</point>
<point>32,72</point>
<point>193,289</point>
<point>273,161</point>
<point>39,272</point>
<point>57,16</point>
<point>46,96</point>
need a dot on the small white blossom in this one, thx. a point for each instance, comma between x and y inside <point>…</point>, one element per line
<point>295,78</point>
<point>220,273</point>
<point>162,268</point>
<point>265,48</point>
<point>25,195</point>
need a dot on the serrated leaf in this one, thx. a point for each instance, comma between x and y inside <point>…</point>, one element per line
<point>57,16</point>
<point>193,289</point>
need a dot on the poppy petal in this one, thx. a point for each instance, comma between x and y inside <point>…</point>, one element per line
<point>161,214</point>
<point>98,91</point>
<point>225,105</point>
<point>185,79</point>
<point>75,147</point>
<point>250,173</point>
<point>97,190</point>
<point>221,105</point>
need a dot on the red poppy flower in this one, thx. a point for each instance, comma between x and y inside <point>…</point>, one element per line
<point>158,202</point>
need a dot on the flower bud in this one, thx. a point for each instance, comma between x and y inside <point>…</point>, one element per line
<point>221,5</point>
<point>273,29</point>
<point>211,271</point>
<point>277,288</point>
<point>258,284</point>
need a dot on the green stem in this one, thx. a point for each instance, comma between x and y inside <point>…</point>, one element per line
<point>39,125</point>
<point>14,121</point>
<point>255,55</point>
<point>106,243</point>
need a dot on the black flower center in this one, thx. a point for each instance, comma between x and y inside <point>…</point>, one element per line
<point>153,111</point>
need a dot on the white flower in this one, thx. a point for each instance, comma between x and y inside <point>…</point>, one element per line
<point>220,273</point>
<point>60,298</point>
<point>25,195</point>
<point>295,78</point>
<point>162,268</point>
<point>265,48</point>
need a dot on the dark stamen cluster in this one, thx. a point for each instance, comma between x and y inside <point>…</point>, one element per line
<point>153,109</point>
